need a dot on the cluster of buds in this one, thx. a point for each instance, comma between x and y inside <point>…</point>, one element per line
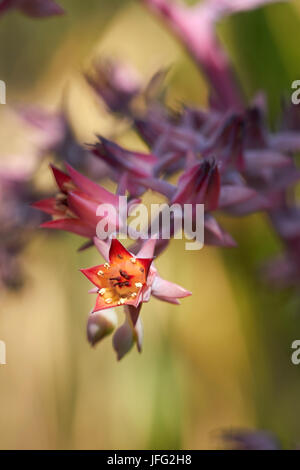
<point>228,158</point>
<point>124,280</point>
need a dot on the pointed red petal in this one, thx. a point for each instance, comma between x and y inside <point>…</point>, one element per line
<point>100,304</point>
<point>118,252</point>
<point>84,207</point>
<point>93,189</point>
<point>70,225</point>
<point>92,274</point>
<point>146,263</point>
<point>45,205</point>
<point>61,178</point>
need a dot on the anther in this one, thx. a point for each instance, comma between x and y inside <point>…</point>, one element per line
<point>124,274</point>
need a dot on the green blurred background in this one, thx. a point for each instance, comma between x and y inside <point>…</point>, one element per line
<point>221,359</point>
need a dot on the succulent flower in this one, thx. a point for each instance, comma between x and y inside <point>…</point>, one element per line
<point>120,281</point>
<point>126,280</point>
<point>226,155</point>
<point>74,208</point>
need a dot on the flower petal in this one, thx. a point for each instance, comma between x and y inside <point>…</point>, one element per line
<point>92,189</point>
<point>70,225</point>
<point>118,252</point>
<point>146,263</point>
<point>168,290</point>
<point>103,247</point>
<point>92,274</point>
<point>62,179</point>
<point>129,333</point>
<point>45,205</point>
<point>123,339</point>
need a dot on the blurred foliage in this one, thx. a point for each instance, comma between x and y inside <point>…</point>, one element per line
<point>222,359</point>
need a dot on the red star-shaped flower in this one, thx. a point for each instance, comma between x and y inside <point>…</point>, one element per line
<point>122,280</point>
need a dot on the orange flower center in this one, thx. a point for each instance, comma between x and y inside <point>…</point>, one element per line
<point>121,282</point>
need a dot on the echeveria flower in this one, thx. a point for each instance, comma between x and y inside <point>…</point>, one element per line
<point>74,207</point>
<point>122,280</point>
<point>126,280</point>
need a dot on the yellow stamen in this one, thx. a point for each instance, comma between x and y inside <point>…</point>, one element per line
<point>138,284</point>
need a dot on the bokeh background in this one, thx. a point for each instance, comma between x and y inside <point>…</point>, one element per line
<point>219,361</point>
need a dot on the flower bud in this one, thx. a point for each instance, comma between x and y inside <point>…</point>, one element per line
<point>101,324</point>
